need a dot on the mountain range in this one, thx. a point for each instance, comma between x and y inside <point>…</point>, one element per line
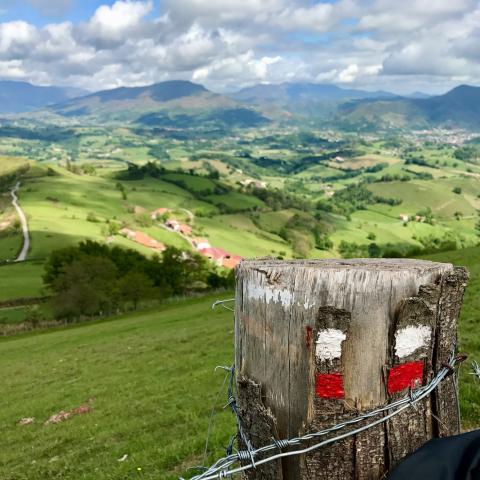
<point>19,97</point>
<point>459,107</point>
<point>183,104</point>
<point>291,93</point>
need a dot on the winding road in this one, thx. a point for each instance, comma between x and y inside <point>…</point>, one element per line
<point>22,256</point>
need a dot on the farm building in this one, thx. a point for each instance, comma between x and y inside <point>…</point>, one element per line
<point>176,226</point>
<point>200,243</point>
<point>142,239</point>
<point>159,212</point>
<point>221,257</point>
<point>255,183</point>
<point>231,261</point>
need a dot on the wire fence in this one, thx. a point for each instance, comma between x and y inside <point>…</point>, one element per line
<point>476,369</point>
<point>251,457</point>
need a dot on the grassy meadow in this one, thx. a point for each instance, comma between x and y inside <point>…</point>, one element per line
<point>151,384</point>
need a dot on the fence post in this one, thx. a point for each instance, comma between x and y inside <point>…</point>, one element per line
<point>319,341</point>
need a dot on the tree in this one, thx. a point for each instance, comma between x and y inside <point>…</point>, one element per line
<point>135,287</point>
<point>86,287</point>
<point>374,251</point>
<point>457,190</point>
<point>179,271</point>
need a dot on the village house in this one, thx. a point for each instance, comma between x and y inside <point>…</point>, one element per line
<point>159,212</point>
<point>200,243</point>
<point>231,261</point>
<point>178,227</point>
<point>216,255</point>
<point>185,229</point>
<point>173,224</point>
<point>404,217</point>
<point>142,239</point>
<point>220,257</point>
<point>255,183</point>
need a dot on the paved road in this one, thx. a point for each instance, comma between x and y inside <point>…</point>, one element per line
<point>23,219</point>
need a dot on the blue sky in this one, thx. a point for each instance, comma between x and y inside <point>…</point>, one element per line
<point>426,45</point>
<point>42,12</point>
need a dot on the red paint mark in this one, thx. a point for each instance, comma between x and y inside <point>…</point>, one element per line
<point>329,385</point>
<point>404,376</point>
<point>308,337</point>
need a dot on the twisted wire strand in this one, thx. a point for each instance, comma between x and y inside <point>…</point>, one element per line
<point>222,467</point>
<point>222,304</point>
<point>476,369</point>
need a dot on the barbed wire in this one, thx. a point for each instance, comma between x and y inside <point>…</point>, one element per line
<point>222,468</point>
<point>476,369</point>
<point>222,304</point>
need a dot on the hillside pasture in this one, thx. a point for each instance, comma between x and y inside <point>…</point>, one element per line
<point>364,161</point>
<point>150,383</point>
<point>235,201</point>
<point>148,379</point>
<point>418,194</point>
<point>192,183</point>
<point>242,236</point>
<point>21,280</point>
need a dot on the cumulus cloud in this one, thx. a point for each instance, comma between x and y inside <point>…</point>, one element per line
<point>227,44</point>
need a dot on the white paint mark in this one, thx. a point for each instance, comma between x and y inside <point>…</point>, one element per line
<point>329,344</point>
<point>270,294</point>
<point>408,339</point>
<point>306,305</point>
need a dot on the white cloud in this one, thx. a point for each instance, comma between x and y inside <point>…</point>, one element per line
<point>226,44</point>
<point>112,24</point>
<point>15,37</point>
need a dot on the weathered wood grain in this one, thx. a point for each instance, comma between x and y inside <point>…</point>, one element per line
<point>446,396</point>
<point>409,430</point>
<point>359,305</point>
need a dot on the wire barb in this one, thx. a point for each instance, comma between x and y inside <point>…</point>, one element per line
<point>222,304</point>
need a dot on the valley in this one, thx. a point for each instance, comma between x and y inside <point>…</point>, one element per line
<point>239,239</point>
<point>139,204</point>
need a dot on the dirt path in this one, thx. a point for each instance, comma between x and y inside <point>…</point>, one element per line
<point>189,213</point>
<point>22,256</point>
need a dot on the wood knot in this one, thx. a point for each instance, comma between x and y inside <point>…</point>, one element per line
<point>273,278</point>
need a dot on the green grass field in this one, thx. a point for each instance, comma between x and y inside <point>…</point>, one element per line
<point>152,381</point>
<point>21,280</point>
<point>469,332</point>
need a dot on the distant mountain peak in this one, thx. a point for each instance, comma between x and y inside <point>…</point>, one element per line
<point>21,96</point>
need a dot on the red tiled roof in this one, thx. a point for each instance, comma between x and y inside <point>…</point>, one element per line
<point>215,253</point>
<point>142,239</point>
<point>231,262</point>
<point>161,211</point>
<point>185,229</point>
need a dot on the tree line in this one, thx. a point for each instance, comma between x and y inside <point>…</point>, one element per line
<point>94,279</point>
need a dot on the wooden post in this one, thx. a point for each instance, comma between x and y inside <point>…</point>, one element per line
<point>319,341</point>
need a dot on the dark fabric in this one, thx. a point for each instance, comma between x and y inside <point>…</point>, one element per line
<point>451,458</point>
